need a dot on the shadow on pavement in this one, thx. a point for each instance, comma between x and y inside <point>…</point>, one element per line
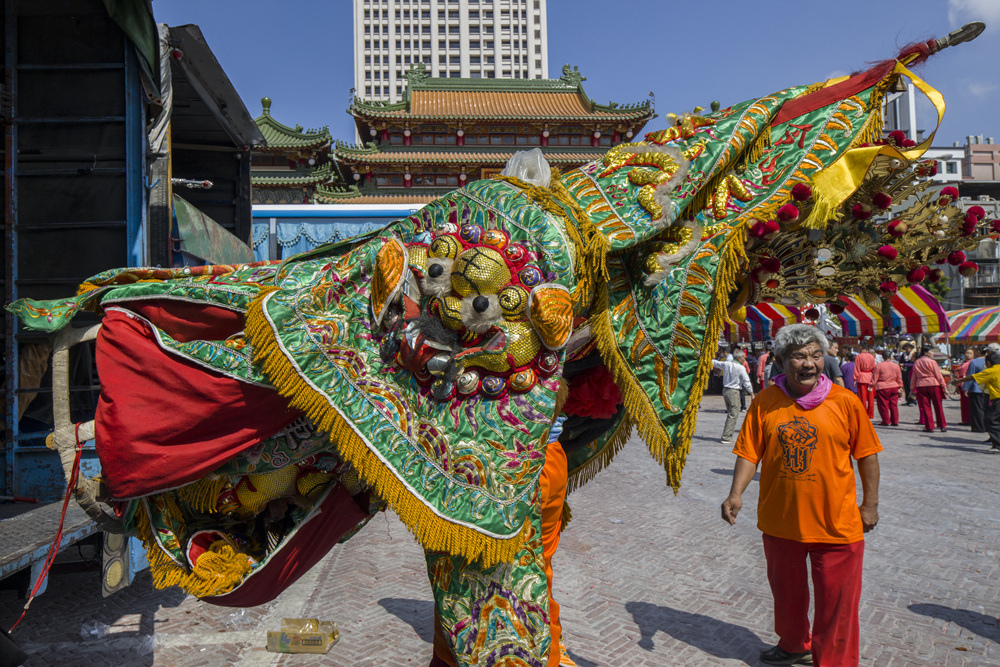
<point>729,473</point>
<point>715,637</point>
<point>985,626</point>
<point>418,614</point>
<point>964,446</point>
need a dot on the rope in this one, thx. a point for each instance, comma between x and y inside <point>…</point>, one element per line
<point>54,549</point>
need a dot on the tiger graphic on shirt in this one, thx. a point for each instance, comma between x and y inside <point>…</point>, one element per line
<point>798,441</point>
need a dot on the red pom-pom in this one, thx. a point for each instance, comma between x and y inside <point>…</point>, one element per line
<point>897,228</point>
<point>977,211</point>
<point>889,287</point>
<point>881,200</point>
<point>968,268</point>
<point>593,393</point>
<point>956,258</point>
<point>812,314</point>
<point>908,143</point>
<point>788,213</point>
<point>888,252</point>
<point>757,229</point>
<point>950,191</point>
<point>836,308</point>
<point>801,192</point>
<point>897,137</point>
<point>943,260</point>
<point>771,230</point>
<point>756,275</point>
<point>970,218</point>
<point>926,269</point>
<point>995,224</point>
<point>771,264</point>
<point>935,275</point>
<point>861,211</point>
<point>915,276</point>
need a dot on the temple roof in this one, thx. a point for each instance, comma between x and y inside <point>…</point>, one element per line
<point>548,99</point>
<point>291,179</point>
<point>282,137</point>
<point>355,196</point>
<point>371,155</point>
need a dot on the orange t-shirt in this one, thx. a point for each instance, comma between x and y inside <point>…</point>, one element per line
<point>807,487</point>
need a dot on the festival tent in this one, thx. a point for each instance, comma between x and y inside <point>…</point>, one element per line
<point>912,310</point>
<point>762,322</point>
<point>978,325</point>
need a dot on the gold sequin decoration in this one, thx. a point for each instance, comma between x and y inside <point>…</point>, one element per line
<point>664,167</point>
<point>479,271</point>
<point>685,128</point>
<point>513,301</point>
<point>449,309</point>
<point>446,246</point>
<point>552,315</point>
<point>389,267</point>
<point>418,257</point>
<point>522,381</point>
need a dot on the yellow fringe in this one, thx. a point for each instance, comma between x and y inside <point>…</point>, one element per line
<point>759,147</point>
<point>203,495</point>
<point>583,474</point>
<point>432,531</point>
<point>567,516</point>
<point>219,570</point>
<point>826,207</point>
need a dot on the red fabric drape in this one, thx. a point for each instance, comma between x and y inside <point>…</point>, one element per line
<point>163,421</point>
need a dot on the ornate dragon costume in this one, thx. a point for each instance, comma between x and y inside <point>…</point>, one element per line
<point>416,368</point>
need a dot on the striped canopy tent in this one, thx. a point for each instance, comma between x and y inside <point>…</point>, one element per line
<point>912,310</point>
<point>979,325</point>
<point>762,322</point>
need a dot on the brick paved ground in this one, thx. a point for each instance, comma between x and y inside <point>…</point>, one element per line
<point>644,577</point>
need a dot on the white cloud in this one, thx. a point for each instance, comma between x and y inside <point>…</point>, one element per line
<point>963,11</point>
<point>980,89</point>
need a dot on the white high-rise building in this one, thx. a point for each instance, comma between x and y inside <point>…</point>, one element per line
<point>503,39</point>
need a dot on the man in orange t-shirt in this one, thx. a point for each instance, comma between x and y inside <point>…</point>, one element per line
<point>804,431</point>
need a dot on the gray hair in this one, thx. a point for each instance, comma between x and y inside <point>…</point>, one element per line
<point>739,356</point>
<point>794,336</point>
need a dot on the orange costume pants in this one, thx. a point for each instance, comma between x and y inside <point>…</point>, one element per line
<point>553,496</point>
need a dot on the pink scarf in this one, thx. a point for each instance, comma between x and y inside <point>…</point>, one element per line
<point>808,401</point>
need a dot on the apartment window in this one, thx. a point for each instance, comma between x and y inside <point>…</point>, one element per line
<point>440,13</point>
<point>455,74</point>
<point>505,44</point>
<point>489,45</point>
<point>425,15</point>
<point>368,60</point>
<point>368,90</point>
<point>426,44</point>
<point>442,59</point>
<point>517,60</point>
<point>385,44</point>
<point>399,44</point>
<point>488,14</point>
<point>475,75</point>
<point>368,14</point>
<point>489,60</point>
<point>474,15</point>
<point>454,29</point>
<point>491,74</point>
<point>406,29</point>
<point>441,29</point>
<point>441,44</point>
<point>952,168</point>
<point>406,59</point>
<point>455,60</point>
<point>368,44</point>
<point>378,74</point>
<point>378,60</point>
<point>425,29</point>
<point>452,15</point>
<point>474,45</point>
<point>406,13</point>
<point>399,90</point>
<point>454,45</point>
<point>506,73</point>
<point>488,29</point>
<point>474,60</point>
<point>538,34</point>
<point>538,48</point>
<point>399,59</point>
<point>538,64</point>
<point>517,74</point>
<point>368,76</point>
<point>473,29</point>
<point>368,30</point>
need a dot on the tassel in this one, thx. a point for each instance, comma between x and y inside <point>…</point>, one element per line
<point>761,146</point>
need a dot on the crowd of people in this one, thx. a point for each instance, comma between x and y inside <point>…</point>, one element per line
<point>881,376</point>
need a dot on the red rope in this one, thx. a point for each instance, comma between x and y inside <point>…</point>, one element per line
<point>54,549</point>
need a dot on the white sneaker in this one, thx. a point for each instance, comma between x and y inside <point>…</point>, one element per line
<point>727,442</point>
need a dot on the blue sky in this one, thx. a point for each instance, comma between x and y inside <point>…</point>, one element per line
<point>299,52</point>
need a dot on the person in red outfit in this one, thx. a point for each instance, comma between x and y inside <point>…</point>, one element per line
<point>864,368</point>
<point>803,432</point>
<point>927,382</point>
<point>887,380</point>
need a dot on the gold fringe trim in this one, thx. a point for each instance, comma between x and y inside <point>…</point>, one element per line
<point>203,495</point>
<point>432,531</point>
<point>583,474</point>
<point>219,570</point>
<point>567,516</point>
<point>760,146</point>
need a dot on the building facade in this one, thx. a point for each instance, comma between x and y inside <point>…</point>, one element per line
<point>447,132</point>
<point>502,39</point>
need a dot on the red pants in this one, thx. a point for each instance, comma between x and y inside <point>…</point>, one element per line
<point>888,405</point>
<point>867,396</point>
<point>836,577</point>
<point>928,398</point>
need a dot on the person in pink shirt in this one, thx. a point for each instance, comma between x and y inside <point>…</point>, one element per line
<point>864,369</point>
<point>928,384</point>
<point>887,381</point>
<point>964,406</point>
<point>761,366</point>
